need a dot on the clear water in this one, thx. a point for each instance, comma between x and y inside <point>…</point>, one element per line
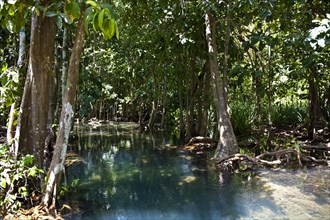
<point>126,176</point>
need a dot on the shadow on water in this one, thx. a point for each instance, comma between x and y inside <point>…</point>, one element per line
<point>124,175</point>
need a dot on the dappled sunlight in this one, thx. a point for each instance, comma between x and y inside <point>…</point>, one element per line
<point>143,182</point>
<point>187,179</point>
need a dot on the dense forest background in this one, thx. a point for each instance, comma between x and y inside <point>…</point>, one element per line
<point>157,74</point>
<point>165,64</point>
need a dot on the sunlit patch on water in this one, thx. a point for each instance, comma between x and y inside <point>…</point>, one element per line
<point>126,176</point>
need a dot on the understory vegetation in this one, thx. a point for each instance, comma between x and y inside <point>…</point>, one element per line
<point>20,181</point>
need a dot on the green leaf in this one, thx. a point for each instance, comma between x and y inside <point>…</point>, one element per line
<point>59,22</point>
<point>94,4</point>
<point>75,10</point>
<point>50,14</point>
<point>100,20</point>
<point>3,183</point>
<point>66,18</point>
<point>112,27</point>
<point>72,9</point>
<point>117,31</point>
<point>28,159</point>
<point>105,29</point>
<point>33,172</point>
<point>88,16</point>
<point>95,23</point>
<point>9,26</point>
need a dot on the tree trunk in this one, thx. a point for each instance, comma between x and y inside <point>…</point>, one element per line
<point>20,64</point>
<point>182,127</point>
<point>225,55</point>
<point>10,127</point>
<point>315,113</point>
<point>207,99</point>
<point>64,60</point>
<point>181,118</point>
<point>200,115</point>
<point>227,144</point>
<point>67,114</point>
<point>270,95</point>
<point>154,107</point>
<point>32,127</point>
<point>164,102</point>
<point>22,48</point>
<point>190,101</point>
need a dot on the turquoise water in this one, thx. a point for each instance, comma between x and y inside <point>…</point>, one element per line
<point>125,175</point>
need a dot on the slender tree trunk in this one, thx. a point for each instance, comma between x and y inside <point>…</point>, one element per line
<point>58,89</point>
<point>22,48</point>
<point>191,102</point>
<point>270,94</point>
<point>226,55</point>
<point>20,64</point>
<point>207,98</point>
<point>32,127</point>
<point>227,144</point>
<point>154,107</point>
<point>67,114</point>
<point>256,84</point>
<point>315,113</point>
<point>200,115</point>
<point>164,102</point>
<point>181,118</point>
<point>10,127</point>
<point>64,59</point>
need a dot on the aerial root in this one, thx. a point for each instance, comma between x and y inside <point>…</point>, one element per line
<point>273,159</point>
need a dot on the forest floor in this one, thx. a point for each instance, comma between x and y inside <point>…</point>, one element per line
<point>289,148</point>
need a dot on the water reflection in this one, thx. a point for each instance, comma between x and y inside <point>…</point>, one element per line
<point>126,176</point>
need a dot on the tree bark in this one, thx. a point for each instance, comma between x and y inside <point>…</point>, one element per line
<point>64,60</point>
<point>20,64</point>
<point>315,113</point>
<point>226,55</point>
<point>154,107</point>
<point>164,102</point>
<point>67,114</point>
<point>200,115</point>
<point>270,95</point>
<point>10,127</point>
<point>32,128</point>
<point>227,144</point>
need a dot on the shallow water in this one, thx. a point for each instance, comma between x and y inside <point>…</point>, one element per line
<point>124,175</point>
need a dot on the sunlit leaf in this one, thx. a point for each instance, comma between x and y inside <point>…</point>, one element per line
<point>3,183</point>
<point>66,18</point>
<point>94,4</point>
<point>12,2</point>
<point>50,14</point>
<point>100,20</point>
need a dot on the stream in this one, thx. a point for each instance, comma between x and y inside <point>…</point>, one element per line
<point>121,173</point>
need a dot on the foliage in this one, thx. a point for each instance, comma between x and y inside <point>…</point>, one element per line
<point>9,80</point>
<point>242,116</point>
<point>291,114</point>
<point>17,181</point>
